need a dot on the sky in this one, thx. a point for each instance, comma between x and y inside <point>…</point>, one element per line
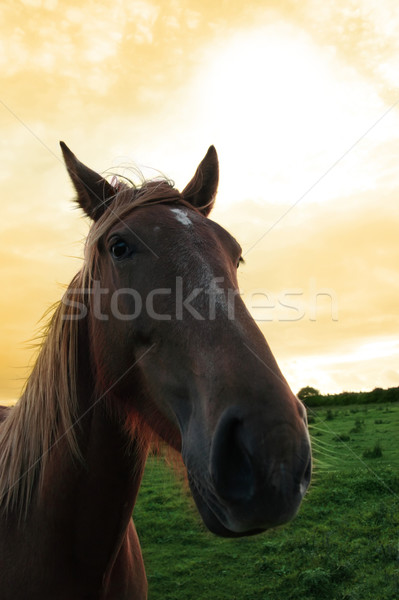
<point>301,100</point>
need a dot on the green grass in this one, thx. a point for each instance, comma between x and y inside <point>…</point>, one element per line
<point>343,545</point>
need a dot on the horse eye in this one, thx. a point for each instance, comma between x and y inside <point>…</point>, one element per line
<point>119,250</point>
<point>240,261</point>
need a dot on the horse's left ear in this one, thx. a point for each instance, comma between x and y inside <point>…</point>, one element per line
<point>94,192</point>
<point>201,190</point>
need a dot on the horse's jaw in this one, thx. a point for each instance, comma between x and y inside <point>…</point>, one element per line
<point>239,520</point>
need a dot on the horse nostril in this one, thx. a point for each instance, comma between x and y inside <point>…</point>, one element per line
<point>231,466</point>
<point>264,475</point>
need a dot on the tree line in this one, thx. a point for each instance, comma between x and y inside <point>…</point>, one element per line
<point>311,396</point>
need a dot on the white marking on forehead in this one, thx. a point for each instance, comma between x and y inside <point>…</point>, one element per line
<point>182,217</point>
<point>202,278</point>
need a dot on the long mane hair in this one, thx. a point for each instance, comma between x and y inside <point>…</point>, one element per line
<point>48,408</point>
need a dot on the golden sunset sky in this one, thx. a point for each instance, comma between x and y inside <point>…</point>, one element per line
<point>301,100</point>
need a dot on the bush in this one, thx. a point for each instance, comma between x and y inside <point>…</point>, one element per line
<point>341,438</point>
<point>358,428</point>
<point>375,452</point>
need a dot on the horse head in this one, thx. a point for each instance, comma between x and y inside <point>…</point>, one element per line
<point>173,342</point>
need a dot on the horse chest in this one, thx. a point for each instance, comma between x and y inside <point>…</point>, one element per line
<point>44,566</point>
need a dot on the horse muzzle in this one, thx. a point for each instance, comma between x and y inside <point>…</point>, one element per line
<point>256,478</point>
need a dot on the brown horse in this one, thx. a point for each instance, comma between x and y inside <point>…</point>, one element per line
<point>151,336</point>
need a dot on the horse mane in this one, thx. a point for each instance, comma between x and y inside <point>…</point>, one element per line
<point>44,412</point>
<point>48,408</point>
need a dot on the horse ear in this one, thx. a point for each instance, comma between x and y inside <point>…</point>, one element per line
<point>94,192</point>
<point>201,190</point>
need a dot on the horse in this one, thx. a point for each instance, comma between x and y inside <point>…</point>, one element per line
<point>150,340</point>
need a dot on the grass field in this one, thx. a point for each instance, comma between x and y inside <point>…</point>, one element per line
<point>344,544</point>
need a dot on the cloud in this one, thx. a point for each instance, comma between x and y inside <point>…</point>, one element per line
<point>363,33</point>
<point>283,91</point>
<point>347,253</point>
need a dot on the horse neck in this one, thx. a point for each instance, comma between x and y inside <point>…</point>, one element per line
<point>71,471</point>
<point>106,479</point>
<point>106,490</point>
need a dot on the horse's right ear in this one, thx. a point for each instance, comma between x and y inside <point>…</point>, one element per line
<point>94,192</point>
